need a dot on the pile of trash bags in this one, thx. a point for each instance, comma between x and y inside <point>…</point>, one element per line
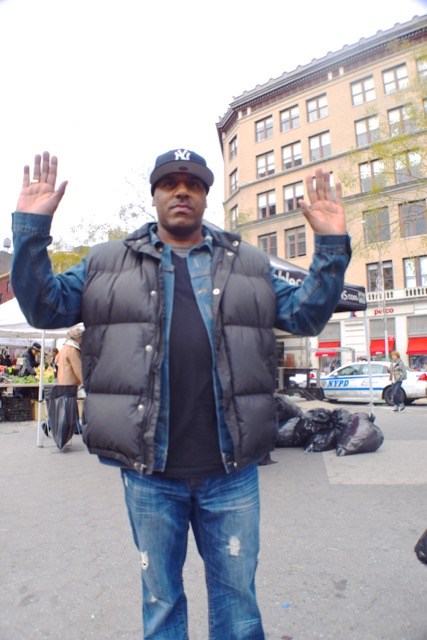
<point>323,430</point>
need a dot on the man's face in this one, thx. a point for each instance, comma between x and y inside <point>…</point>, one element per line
<point>180,201</point>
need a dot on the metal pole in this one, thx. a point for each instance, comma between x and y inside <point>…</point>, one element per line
<point>383,305</point>
<point>40,396</point>
<point>367,346</point>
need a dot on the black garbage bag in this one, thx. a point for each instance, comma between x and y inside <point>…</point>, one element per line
<point>286,435</point>
<point>327,437</point>
<point>341,418</point>
<point>361,435</point>
<point>323,440</point>
<point>311,423</point>
<point>62,413</point>
<point>421,548</point>
<point>285,409</point>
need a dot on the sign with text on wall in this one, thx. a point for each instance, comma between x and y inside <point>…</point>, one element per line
<point>392,310</point>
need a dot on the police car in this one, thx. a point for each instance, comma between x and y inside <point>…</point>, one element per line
<point>350,383</point>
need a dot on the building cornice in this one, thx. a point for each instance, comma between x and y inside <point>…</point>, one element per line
<point>365,47</point>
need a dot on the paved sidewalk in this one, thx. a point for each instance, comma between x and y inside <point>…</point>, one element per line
<point>337,558</point>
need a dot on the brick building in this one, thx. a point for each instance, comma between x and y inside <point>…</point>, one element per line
<point>360,113</point>
<point>6,291</point>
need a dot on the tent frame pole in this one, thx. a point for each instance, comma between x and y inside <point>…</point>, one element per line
<point>40,433</point>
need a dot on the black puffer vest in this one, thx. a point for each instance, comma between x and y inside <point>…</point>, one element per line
<point>123,312</point>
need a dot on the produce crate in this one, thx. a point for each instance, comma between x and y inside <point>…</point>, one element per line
<point>15,402</point>
<point>16,409</point>
<point>34,410</point>
<point>18,415</point>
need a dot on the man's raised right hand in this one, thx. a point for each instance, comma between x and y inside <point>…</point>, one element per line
<point>39,195</point>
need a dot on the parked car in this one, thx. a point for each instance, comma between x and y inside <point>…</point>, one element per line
<point>300,379</point>
<point>350,383</point>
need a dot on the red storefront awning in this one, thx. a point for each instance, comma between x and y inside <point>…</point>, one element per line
<point>377,347</point>
<point>323,349</point>
<point>417,346</point>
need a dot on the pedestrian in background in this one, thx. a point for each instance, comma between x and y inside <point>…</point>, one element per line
<point>69,360</point>
<point>179,362</point>
<point>397,376</point>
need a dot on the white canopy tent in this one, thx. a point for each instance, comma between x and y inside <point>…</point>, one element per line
<point>13,324</point>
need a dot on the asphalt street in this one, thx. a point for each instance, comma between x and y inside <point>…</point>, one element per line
<point>337,559</point>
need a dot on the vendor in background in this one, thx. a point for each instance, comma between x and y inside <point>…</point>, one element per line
<point>53,360</point>
<point>69,359</point>
<point>31,360</point>
<point>5,360</point>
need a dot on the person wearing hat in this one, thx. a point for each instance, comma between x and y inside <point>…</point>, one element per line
<point>179,369</point>
<point>69,360</point>
<point>31,357</point>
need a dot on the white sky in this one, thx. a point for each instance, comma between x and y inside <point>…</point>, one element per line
<point>108,85</point>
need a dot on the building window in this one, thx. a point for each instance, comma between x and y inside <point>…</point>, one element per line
<point>363,90</point>
<point>376,328</point>
<point>232,148</point>
<point>395,78</point>
<point>295,245</point>
<point>291,155</point>
<point>268,243</point>
<point>265,164</point>
<point>264,129</point>
<point>376,225</point>
<point>291,194</point>
<point>331,183</point>
<point>412,217</point>
<point>422,68</point>
<point>317,108</point>
<point>234,216</point>
<point>371,175</point>
<point>380,280</point>
<point>289,118</point>
<point>267,204</point>
<point>407,166</point>
<point>400,121</point>
<point>367,130</point>
<point>415,270</point>
<point>320,146</point>
<point>233,181</point>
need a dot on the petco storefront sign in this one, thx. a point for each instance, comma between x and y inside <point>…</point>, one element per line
<point>388,311</point>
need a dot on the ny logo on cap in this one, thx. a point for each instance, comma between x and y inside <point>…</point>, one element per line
<point>182,154</point>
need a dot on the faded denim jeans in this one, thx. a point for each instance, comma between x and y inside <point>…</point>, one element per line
<point>395,391</point>
<point>223,511</point>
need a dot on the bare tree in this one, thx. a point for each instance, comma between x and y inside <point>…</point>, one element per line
<point>130,217</point>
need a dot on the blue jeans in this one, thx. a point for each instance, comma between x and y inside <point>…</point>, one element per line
<point>224,514</point>
<point>395,390</point>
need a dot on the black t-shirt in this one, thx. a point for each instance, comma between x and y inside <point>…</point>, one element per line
<point>193,449</point>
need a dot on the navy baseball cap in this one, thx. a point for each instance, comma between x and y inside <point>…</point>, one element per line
<point>182,161</point>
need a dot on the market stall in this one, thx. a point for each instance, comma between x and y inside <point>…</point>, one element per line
<point>14,325</point>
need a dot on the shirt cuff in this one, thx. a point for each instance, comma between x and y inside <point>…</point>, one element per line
<point>332,243</point>
<point>32,223</point>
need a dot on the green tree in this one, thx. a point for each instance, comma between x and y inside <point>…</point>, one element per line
<point>390,166</point>
<point>64,258</point>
